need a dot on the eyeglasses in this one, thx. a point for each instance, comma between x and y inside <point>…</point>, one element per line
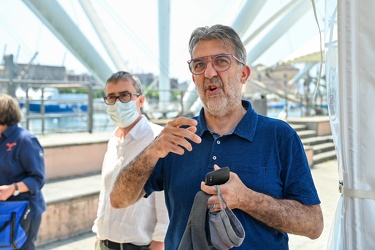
<point>123,97</point>
<point>220,62</point>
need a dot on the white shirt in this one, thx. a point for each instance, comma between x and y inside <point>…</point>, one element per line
<point>144,221</point>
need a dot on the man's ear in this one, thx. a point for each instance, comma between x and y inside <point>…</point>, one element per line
<point>141,100</point>
<point>246,71</point>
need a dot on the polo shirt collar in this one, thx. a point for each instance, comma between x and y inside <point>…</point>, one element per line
<point>245,128</point>
<point>10,130</point>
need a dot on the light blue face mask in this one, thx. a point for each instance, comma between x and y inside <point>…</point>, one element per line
<point>123,114</point>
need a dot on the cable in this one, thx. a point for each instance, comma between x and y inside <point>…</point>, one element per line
<point>321,54</point>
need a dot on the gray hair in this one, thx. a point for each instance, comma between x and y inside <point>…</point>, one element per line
<point>126,76</point>
<point>227,35</point>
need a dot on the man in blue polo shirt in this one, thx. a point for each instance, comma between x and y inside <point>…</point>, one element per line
<point>270,190</point>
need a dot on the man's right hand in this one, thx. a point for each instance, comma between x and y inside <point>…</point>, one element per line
<point>173,138</point>
<point>132,177</point>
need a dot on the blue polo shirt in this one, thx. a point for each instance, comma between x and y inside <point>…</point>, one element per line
<point>266,154</point>
<point>22,159</point>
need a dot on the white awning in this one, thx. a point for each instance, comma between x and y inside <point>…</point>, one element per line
<point>351,84</point>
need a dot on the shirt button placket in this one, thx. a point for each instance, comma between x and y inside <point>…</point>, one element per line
<point>214,157</point>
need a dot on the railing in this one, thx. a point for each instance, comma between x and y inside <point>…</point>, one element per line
<point>94,117</point>
<point>42,102</point>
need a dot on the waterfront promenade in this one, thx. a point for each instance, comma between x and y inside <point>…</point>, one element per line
<point>326,179</point>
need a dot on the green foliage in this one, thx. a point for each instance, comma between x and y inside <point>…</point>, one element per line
<point>154,94</point>
<point>73,91</point>
<point>97,93</point>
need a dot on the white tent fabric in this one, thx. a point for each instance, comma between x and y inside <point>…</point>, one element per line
<point>351,83</point>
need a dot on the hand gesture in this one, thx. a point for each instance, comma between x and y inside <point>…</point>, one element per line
<point>174,139</point>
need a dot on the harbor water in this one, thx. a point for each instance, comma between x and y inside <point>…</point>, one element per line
<point>102,123</point>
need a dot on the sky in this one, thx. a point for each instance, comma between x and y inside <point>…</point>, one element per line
<point>133,28</point>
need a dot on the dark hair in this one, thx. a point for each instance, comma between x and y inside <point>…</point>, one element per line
<point>10,110</point>
<point>219,32</point>
<point>126,76</point>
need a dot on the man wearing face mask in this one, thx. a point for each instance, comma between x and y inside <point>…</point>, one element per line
<point>144,224</point>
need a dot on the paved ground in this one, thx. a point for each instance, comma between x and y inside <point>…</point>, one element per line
<point>326,180</point>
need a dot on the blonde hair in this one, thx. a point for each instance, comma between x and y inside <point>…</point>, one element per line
<point>10,110</point>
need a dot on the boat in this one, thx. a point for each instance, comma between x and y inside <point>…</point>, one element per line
<point>52,101</point>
